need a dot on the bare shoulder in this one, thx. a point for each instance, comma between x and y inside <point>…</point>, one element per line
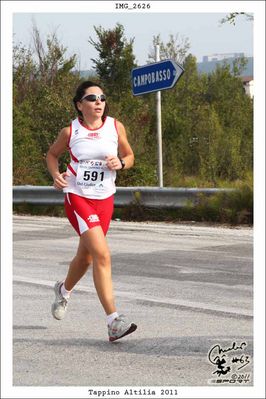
<point>65,132</point>
<point>64,135</point>
<point>61,142</point>
<point>120,128</point>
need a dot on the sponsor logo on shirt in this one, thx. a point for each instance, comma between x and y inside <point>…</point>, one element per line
<point>93,218</point>
<point>93,136</point>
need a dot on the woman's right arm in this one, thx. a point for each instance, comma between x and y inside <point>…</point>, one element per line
<point>54,152</point>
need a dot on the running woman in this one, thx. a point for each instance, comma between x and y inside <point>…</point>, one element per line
<point>98,147</point>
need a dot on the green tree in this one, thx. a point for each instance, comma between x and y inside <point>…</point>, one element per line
<point>207,127</point>
<point>113,67</point>
<point>43,87</point>
<point>51,60</point>
<point>207,120</point>
<point>27,158</point>
<point>239,65</point>
<point>116,60</point>
<point>24,72</point>
<point>235,111</point>
<point>231,17</point>
<point>176,48</point>
<point>178,123</point>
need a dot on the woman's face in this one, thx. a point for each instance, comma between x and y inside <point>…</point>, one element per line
<point>92,107</point>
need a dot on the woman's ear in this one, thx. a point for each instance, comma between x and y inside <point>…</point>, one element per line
<point>79,105</point>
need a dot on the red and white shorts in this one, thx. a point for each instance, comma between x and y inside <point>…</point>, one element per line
<point>85,213</point>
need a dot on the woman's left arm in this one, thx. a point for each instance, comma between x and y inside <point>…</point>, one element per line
<point>124,150</point>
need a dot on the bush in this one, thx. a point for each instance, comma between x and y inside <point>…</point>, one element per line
<point>231,208</point>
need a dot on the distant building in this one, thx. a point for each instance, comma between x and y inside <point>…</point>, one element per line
<point>220,57</point>
<point>248,84</point>
<point>209,67</point>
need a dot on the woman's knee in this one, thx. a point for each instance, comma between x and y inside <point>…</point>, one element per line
<point>95,243</point>
<point>102,258</point>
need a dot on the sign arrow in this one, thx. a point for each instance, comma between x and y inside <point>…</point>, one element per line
<point>155,77</point>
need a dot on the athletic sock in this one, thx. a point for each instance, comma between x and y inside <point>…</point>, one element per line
<point>64,292</point>
<point>111,317</point>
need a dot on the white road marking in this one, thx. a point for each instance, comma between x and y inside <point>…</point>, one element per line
<point>163,301</point>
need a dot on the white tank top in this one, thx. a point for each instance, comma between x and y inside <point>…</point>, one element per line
<point>89,175</point>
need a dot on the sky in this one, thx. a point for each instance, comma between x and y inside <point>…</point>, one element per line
<point>204,31</point>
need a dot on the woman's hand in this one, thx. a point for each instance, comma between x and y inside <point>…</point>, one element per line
<point>59,180</point>
<point>113,163</point>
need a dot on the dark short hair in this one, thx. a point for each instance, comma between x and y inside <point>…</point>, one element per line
<point>80,91</point>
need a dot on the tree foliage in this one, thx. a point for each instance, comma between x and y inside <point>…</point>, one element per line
<point>231,17</point>
<point>207,120</point>
<point>43,85</point>
<point>176,48</point>
<point>116,59</point>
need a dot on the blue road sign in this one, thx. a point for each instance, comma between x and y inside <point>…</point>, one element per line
<point>154,77</point>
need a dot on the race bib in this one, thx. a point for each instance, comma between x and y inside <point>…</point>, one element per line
<point>92,174</point>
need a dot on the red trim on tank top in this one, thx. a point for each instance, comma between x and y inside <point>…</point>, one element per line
<point>71,170</point>
<point>86,127</point>
<point>72,156</point>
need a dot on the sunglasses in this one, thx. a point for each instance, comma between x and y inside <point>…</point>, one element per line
<point>94,97</point>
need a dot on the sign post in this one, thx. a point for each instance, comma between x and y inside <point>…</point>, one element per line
<point>159,128</point>
<point>155,77</point>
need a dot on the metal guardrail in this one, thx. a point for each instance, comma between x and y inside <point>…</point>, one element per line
<point>152,197</point>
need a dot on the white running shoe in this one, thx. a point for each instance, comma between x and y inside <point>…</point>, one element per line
<point>120,327</point>
<point>59,306</point>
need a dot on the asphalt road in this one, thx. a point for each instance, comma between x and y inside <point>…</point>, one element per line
<point>188,288</point>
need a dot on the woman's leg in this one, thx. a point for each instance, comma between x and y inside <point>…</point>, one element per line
<point>78,266</point>
<point>77,269</point>
<point>95,243</point>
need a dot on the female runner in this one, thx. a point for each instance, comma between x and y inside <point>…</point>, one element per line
<point>98,147</point>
